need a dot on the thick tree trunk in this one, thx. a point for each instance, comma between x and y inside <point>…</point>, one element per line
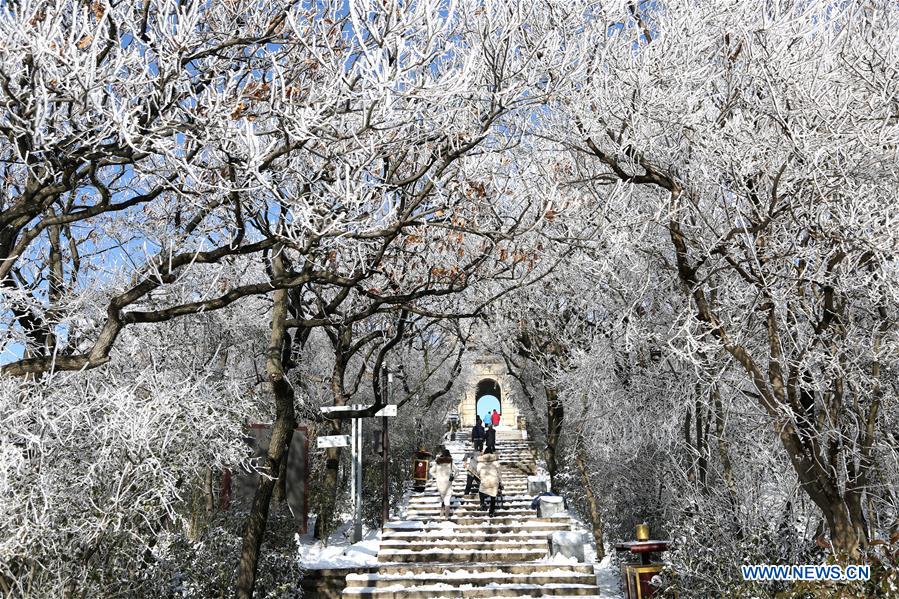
<point>727,469</point>
<point>701,447</point>
<point>592,505</point>
<point>857,515</point>
<point>555,414</point>
<point>282,431</point>
<point>843,534</point>
<point>280,492</point>
<point>254,533</point>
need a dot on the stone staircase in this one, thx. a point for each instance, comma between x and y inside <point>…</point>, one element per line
<point>471,554</point>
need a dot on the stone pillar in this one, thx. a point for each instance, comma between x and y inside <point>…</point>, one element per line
<point>537,485</point>
<point>551,505</point>
<point>569,543</point>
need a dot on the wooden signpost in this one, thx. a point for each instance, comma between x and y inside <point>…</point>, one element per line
<point>354,440</point>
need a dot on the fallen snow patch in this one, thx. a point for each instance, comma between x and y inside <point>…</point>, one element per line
<point>339,553</point>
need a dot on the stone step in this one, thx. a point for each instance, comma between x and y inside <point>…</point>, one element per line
<point>514,476</point>
<point>512,483</point>
<point>517,478</point>
<point>517,519</point>
<point>522,509</point>
<point>466,513</point>
<point>430,497</point>
<point>501,451</point>
<point>492,527</point>
<point>461,502</point>
<point>483,520</point>
<point>513,461</point>
<point>501,544</point>
<point>512,473</point>
<point>460,555</point>
<point>521,506</point>
<point>549,575</point>
<point>460,490</point>
<point>521,487</point>
<point>519,510</point>
<point>474,504</point>
<point>465,438</point>
<point>470,536</point>
<point>479,569</point>
<point>425,496</point>
<point>494,590</point>
<point>501,448</point>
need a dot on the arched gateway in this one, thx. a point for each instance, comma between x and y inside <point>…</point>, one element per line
<point>485,378</point>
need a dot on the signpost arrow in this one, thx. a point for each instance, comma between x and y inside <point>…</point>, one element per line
<point>387,411</point>
<point>334,441</point>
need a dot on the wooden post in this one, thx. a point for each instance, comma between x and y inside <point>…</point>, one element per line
<point>386,379</point>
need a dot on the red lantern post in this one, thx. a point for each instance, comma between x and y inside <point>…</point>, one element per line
<point>637,572</point>
<point>420,465</point>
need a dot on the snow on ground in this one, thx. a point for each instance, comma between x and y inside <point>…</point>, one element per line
<point>608,579</point>
<point>608,576</point>
<point>406,524</point>
<point>339,553</point>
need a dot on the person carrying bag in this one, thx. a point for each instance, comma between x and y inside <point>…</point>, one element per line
<point>491,483</point>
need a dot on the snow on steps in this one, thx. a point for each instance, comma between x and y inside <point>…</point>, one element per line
<point>475,580</point>
<point>444,589</point>
<point>468,574</point>
<point>472,554</point>
<point>464,556</point>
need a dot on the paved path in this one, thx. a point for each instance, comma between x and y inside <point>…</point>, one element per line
<point>471,554</point>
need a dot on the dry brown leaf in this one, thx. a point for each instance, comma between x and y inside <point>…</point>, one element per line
<point>257,92</point>
<point>38,17</point>
<point>85,42</point>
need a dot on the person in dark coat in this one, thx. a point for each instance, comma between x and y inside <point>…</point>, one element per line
<point>490,438</point>
<point>494,418</point>
<point>477,435</point>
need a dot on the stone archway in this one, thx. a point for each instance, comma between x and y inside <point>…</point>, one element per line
<point>482,376</point>
<point>488,396</point>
